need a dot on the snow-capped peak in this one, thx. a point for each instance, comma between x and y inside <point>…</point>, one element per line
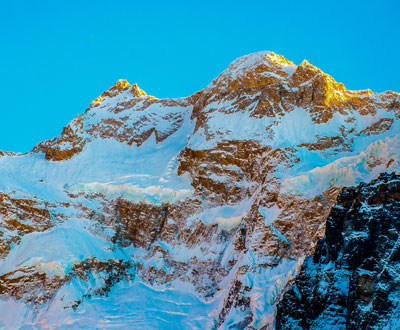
<point>122,85</point>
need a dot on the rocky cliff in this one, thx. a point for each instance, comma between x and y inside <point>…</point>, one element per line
<point>192,213</point>
<point>352,280</point>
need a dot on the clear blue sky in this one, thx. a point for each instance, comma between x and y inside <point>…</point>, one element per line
<point>56,56</point>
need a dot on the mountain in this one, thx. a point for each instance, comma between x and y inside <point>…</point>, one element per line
<point>188,213</point>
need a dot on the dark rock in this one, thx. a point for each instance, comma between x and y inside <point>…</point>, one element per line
<point>352,280</point>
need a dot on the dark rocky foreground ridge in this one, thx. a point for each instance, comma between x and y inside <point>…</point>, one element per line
<point>353,279</point>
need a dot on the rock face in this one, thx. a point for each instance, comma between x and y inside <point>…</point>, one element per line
<point>189,213</point>
<point>352,280</point>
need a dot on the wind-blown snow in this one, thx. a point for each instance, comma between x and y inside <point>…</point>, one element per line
<point>131,305</point>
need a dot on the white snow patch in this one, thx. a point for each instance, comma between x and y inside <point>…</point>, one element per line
<point>230,223</point>
<point>49,268</point>
<point>269,216</point>
<point>133,193</point>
